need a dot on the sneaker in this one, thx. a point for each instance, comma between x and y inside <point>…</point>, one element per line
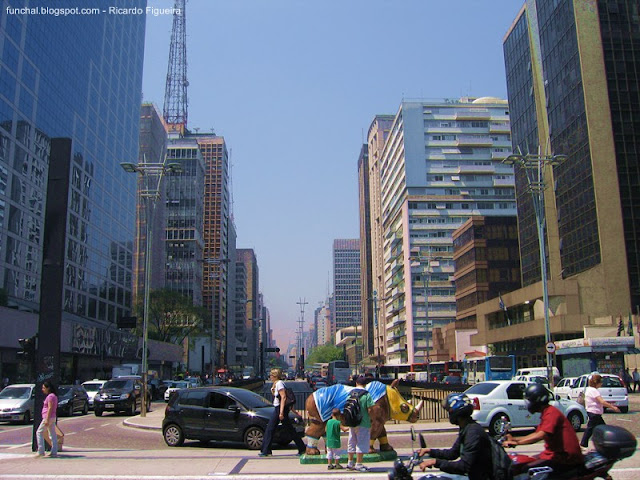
<point>264,454</point>
<point>351,466</point>
<point>361,468</point>
<point>337,466</point>
<point>330,467</point>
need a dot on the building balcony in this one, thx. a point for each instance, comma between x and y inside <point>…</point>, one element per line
<point>474,141</point>
<point>493,128</point>
<point>500,155</point>
<point>480,114</point>
<point>467,168</point>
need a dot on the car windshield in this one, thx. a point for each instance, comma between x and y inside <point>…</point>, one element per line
<point>15,392</point>
<point>91,387</point>
<point>63,390</point>
<point>250,399</point>
<point>117,384</point>
<point>483,388</point>
<point>180,385</point>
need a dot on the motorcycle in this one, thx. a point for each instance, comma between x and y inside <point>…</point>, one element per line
<point>612,443</point>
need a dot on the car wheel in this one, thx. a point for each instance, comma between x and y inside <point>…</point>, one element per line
<point>98,412</point>
<point>624,409</point>
<point>132,408</point>
<point>173,435</point>
<point>27,417</point>
<point>575,419</point>
<point>253,438</point>
<point>496,425</point>
<point>85,409</point>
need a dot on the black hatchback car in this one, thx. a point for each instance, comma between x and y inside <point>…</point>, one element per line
<point>221,413</point>
<point>71,399</point>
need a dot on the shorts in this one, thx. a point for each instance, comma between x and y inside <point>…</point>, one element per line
<point>333,453</point>
<point>358,440</point>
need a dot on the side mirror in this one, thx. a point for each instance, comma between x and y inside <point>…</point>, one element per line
<point>423,443</point>
<point>557,397</point>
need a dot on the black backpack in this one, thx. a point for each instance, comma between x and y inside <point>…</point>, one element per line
<point>352,414</point>
<point>500,461</point>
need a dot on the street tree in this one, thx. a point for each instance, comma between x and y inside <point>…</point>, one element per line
<point>172,316</point>
<point>325,354</point>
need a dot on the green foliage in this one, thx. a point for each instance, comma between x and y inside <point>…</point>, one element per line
<point>173,317</point>
<point>325,354</point>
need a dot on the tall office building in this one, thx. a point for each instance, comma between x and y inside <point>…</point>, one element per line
<point>253,309</point>
<point>77,77</point>
<point>440,164</point>
<point>346,283</point>
<point>572,75</point>
<point>376,138</point>
<point>153,141</point>
<point>367,302</point>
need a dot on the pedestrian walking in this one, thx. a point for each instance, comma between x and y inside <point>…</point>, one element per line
<point>594,404</point>
<point>358,443</point>
<point>280,415</point>
<point>333,443</point>
<point>636,380</point>
<point>628,380</point>
<point>48,422</point>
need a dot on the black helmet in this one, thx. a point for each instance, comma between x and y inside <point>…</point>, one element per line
<point>536,396</point>
<point>458,405</point>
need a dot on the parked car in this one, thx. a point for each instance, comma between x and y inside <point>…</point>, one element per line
<point>92,387</point>
<point>17,402</point>
<point>452,380</point>
<point>563,387</point>
<point>221,413</point>
<point>505,398</point>
<point>71,399</point>
<point>174,386</point>
<point>122,394</point>
<point>612,390</point>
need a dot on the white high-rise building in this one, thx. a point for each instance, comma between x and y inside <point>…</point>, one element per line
<point>440,164</point>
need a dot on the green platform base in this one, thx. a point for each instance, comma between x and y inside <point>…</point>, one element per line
<point>368,458</point>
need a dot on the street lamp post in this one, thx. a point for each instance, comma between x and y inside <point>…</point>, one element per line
<point>534,166</point>
<point>417,261</point>
<point>151,175</point>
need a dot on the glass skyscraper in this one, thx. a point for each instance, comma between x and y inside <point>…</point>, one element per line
<point>77,76</point>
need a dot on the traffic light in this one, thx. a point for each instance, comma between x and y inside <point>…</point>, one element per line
<point>28,346</point>
<point>272,349</point>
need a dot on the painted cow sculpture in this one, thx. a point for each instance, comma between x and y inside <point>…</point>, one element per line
<point>389,404</point>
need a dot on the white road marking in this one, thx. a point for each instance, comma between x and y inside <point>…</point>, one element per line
<point>20,446</point>
<point>90,428</point>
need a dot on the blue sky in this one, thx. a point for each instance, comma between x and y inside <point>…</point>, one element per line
<point>293,86</point>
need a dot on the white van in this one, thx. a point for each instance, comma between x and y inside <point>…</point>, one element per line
<point>536,371</point>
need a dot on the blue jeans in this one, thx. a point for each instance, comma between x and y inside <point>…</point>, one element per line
<point>52,434</point>
<point>274,420</point>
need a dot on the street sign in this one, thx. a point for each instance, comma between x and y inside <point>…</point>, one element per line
<point>551,347</point>
<point>272,349</point>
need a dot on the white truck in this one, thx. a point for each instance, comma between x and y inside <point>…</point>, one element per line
<point>126,369</point>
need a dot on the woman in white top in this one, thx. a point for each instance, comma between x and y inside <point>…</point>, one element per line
<point>595,405</point>
<point>280,414</point>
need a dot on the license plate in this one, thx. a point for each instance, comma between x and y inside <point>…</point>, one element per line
<point>109,405</point>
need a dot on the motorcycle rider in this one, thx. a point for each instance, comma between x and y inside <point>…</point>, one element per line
<point>561,448</point>
<point>471,448</point>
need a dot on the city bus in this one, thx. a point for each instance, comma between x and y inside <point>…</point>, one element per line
<point>489,367</point>
<point>403,371</point>
<point>338,371</point>
<point>439,370</point>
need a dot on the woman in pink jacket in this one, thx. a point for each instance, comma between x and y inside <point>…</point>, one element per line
<point>48,423</point>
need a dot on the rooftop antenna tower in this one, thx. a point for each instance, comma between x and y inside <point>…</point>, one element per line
<point>175,93</point>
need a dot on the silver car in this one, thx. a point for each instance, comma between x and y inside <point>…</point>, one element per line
<point>612,390</point>
<point>17,403</point>
<point>93,388</point>
<point>497,399</point>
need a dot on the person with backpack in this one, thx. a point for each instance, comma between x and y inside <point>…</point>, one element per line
<point>472,448</point>
<point>356,416</point>
<point>561,448</point>
<point>280,414</point>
